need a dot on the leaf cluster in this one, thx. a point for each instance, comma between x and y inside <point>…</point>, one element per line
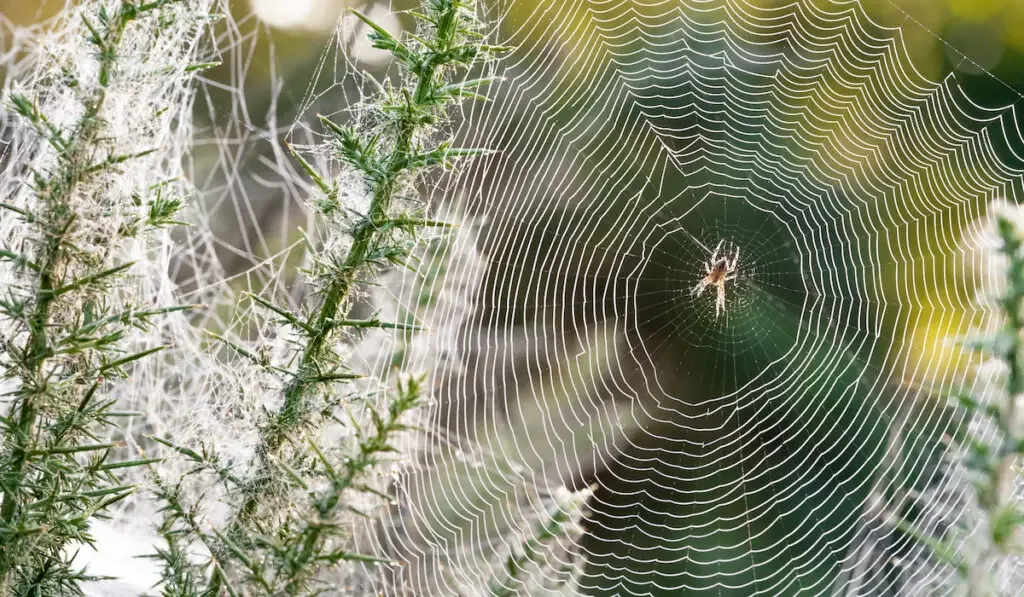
<point>286,559</point>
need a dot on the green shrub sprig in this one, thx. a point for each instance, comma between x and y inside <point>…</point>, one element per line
<point>69,314</point>
<point>287,528</point>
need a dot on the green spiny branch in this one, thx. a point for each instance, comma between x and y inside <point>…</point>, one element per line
<point>991,460</point>
<point>452,45</point>
<point>268,547</point>
<point>561,520</point>
<point>66,340</point>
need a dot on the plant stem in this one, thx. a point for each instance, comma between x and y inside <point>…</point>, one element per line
<point>48,495</point>
<point>336,295</point>
<point>60,220</point>
<point>275,551</point>
<point>1007,348</point>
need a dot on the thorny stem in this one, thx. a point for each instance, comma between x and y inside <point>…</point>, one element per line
<point>338,290</point>
<point>57,221</point>
<point>366,457</point>
<point>283,554</point>
<point>558,522</point>
<point>37,345</point>
<point>1012,307</point>
<point>175,508</point>
<point>1008,349</point>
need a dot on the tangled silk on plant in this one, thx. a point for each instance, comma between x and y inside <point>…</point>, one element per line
<point>95,119</point>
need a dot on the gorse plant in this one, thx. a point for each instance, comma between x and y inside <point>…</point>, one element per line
<point>326,445</point>
<point>561,521</point>
<point>985,536</point>
<point>83,195</point>
<point>300,504</point>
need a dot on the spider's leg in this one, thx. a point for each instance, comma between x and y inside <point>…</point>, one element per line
<point>720,302</point>
<point>707,267</point>
<point>730,277</point>
<point>699,288</point>
<point>714,256</point>
<point>735,259</point>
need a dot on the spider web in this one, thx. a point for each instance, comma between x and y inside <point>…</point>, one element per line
<point>770,450</point>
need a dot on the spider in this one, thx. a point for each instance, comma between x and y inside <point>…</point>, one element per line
<point>720,270</point>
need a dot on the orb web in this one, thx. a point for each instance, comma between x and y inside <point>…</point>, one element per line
<point>765,450</point>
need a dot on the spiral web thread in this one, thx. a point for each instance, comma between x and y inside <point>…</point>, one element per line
<point>769,450</point>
